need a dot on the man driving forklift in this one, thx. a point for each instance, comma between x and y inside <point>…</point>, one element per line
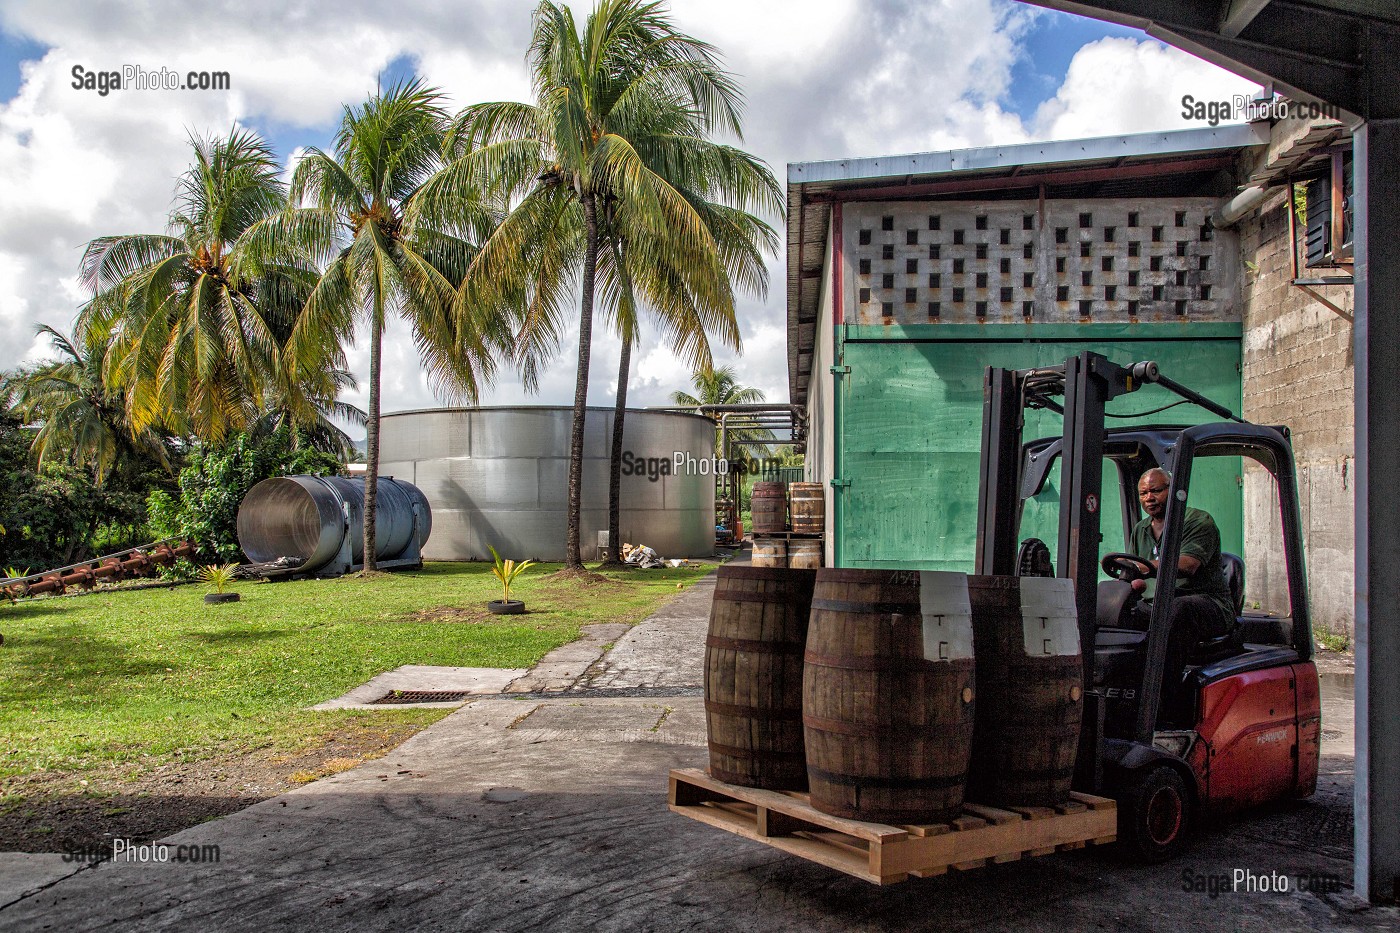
<point>1202,609</point>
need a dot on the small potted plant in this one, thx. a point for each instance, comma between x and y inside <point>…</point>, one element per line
<point>506,571</point>
<point>219,578</point>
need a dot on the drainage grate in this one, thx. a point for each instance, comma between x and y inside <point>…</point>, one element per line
<point>403,697</point>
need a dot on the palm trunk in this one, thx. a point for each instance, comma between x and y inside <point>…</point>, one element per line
<point>573,558</point>
<point>376,328</point>
<point>615,463</point>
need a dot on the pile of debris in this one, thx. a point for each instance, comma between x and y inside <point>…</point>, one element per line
<point>270,569</point>
<point>639,555</point>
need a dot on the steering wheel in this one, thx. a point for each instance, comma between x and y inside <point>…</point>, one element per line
<point>1127,567</point>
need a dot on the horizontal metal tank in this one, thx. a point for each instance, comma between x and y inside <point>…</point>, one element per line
<point>320,519</point>
<point>500,477</point>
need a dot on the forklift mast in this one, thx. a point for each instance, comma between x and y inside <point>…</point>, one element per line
<point>1080,390</point>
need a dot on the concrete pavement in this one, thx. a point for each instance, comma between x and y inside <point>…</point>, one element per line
<point>547,812</point>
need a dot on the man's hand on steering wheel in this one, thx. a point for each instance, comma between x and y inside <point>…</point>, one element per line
<point>1128,567</point>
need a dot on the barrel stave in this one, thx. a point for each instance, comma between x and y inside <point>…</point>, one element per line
<point>1029,709</point>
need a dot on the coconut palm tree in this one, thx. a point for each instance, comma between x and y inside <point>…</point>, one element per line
<point>351,213</point>
<point>742,239</point>
<point>80,419</point>
<point>313,418</point>
<point>618,129</point>
<point>721,387</point>
<point>194,326</point>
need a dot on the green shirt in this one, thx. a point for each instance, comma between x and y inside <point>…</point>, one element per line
<point>1199,539</point>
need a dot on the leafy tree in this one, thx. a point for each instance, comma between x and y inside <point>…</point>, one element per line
<point>55,515</point>
<point>213,484</point>
<point>620,119</point>
<point>312,422</point>
<point>721,387</point>
<point>352,214</point>
<point>73,483</point>
<point>196,321</point>
<point>740,237</point>
<point>80,419</point>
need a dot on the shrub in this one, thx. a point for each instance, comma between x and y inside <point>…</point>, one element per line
<point>215,481</point>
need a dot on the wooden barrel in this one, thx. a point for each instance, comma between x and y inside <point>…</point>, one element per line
<point>804,553</point>
<point>768,506</point>
<point>808,508</point>
<point>769,552</point>
<point>887,696</point>
<point>1030,703</point>
<point>753,676</point>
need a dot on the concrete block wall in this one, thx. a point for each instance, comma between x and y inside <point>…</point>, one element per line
<point>1297,368</point>
<point>1064,262</point>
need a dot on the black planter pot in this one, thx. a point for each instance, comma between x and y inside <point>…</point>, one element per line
<point>501,607</point>
<point>215,599</point>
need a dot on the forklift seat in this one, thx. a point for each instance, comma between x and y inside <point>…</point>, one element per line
<point>1233,568</point>
<point>1232,642</point>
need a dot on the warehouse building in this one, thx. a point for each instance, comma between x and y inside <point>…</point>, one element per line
<point>909,275</point>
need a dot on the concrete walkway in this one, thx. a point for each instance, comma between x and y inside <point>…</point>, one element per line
<point>548,813</point>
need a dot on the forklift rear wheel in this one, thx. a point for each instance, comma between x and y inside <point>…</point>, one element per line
<point>1153,815</point>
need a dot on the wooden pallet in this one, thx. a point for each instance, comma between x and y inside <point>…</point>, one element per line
<point>884,854</point>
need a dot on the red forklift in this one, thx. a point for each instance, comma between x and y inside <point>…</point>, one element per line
<point>1243,727</point>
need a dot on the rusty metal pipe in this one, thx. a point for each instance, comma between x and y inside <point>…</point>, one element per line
<point>52,583</point>
<point>111,568</point>
<point>79,578</point>
<point>86,574</point>
<point>137,565</point>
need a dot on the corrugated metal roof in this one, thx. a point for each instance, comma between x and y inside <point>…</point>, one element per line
<point>1056,152</point>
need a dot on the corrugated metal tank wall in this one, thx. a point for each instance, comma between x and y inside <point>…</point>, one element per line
<point>499,477</point>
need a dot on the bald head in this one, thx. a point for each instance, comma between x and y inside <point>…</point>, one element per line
<point>1152,492</point>
<point>1156,477</point>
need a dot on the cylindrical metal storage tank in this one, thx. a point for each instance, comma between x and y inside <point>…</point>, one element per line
<point>304,516</point>
<point>499,477</point>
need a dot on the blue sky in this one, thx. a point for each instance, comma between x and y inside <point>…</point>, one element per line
<point>1049,48</point>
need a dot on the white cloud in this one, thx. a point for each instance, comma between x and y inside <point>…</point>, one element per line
<point>1119,85</point>
<point>822,79</point>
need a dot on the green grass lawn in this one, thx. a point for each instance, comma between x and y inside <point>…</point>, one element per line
<point>135,678</point>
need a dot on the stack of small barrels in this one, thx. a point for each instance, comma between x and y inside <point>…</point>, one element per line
<point>892,696</point>
<point>778,542</point>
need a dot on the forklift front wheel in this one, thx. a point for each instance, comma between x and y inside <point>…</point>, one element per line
<point>1154,815</point>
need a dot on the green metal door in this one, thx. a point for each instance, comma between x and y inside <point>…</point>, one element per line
<point>909,432</point>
